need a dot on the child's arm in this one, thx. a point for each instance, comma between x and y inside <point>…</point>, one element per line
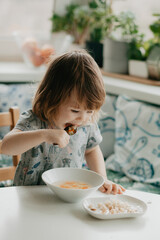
<point>17,142</point>
<point>96,163</point>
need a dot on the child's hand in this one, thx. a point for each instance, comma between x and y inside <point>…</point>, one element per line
<point>57,137</point>
<point>110,187</point>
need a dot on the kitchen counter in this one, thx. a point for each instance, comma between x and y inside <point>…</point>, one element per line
<point>19,72</point>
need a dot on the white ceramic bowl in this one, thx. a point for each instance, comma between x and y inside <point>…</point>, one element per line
<point>72,174</point>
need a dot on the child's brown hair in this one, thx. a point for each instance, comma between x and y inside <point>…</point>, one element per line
<point>75,70</point>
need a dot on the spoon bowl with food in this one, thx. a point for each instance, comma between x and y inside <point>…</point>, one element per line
<point>71,130</point>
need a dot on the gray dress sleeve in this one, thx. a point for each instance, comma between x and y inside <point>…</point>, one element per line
<point>94,137</point>
<point>29,121</point>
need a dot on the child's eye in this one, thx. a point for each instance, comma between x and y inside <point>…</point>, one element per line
<point>75,111</point>
<point>90,111</point>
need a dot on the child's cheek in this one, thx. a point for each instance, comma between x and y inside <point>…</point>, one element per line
<point>87,121</point>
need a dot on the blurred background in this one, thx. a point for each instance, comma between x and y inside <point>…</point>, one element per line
<point>33,30</point>
<point>35,14</point>
<point>123,36</point>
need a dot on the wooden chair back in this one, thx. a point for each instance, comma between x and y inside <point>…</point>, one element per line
<point>9,118</point>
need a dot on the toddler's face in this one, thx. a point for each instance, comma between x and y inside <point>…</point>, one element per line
<point>72,114</point>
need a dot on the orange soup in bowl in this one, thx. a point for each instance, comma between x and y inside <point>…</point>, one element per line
<point>72,185</point>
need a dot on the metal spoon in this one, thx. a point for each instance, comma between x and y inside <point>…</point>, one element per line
<point>71,130</point>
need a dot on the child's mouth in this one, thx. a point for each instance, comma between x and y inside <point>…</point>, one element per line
<point>68,125</point>
<point>70,129</point>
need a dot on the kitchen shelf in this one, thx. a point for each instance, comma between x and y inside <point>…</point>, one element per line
<point>132,78</point>
<point>19,72</point>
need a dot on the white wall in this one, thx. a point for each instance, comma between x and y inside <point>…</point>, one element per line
<point>21,15</point>
<point>25,15</point>
<point>35,14</point>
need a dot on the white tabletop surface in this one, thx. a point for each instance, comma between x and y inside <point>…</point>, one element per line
<point>34,212</point>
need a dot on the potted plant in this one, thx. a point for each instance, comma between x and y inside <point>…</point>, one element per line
<point>75,21</point>
<point>144,55</point>
<point>137,55</point>
<point>86,23</point>
<point>99,10</point>
<point>153,59</point>
<point>155,28</point>
<point>119,32</point>
<point>95,26</point>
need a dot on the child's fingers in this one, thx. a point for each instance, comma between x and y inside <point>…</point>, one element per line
<point>120,191</point>
<point>108,187</point>
<point>63,141</point>
<point>111,188</point>
<point>122,188</point>
<point>102,189</point>
<point>115,188</point>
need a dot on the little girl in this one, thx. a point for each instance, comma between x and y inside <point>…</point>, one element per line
<point>70,94</point>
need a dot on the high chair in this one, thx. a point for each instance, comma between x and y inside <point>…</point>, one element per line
<point>9,118</point>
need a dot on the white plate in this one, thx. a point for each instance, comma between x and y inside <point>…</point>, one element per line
<point>133,204</point>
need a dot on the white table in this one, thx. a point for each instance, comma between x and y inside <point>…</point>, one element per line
<point>34,213</point>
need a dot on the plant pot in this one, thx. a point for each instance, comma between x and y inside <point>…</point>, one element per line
<point>96,51</point>
<point>153,63</point>
<point>138,68</point>
<point>115,56</point>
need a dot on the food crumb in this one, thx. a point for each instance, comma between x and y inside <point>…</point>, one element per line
<point>114,207</point>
